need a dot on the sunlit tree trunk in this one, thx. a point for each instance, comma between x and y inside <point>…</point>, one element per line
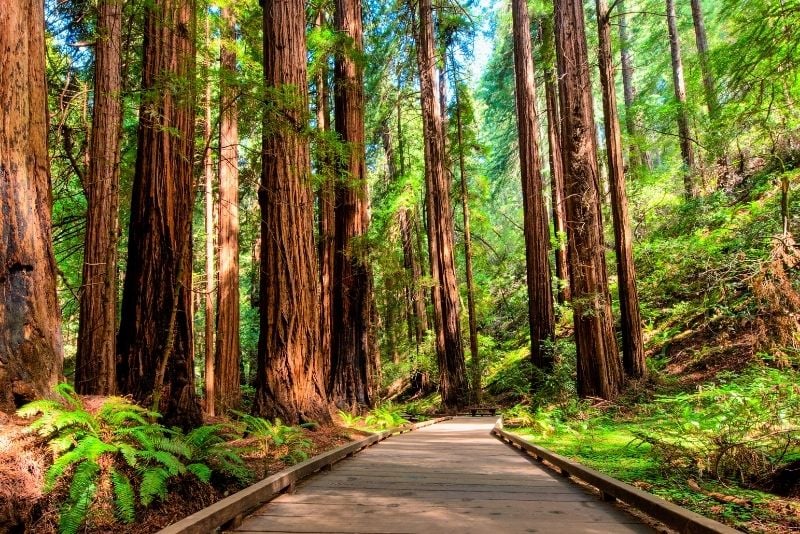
<point>411,260</point>
<point>449,349</point>
<point>633,359</point>
<point>556,165</point>
<point>289,384</point>
<point>476,366</point>
<point>702,52</point>
<point>537,234</point>
<point>208,173</point>
<point>155,337</point>
<point>227,357</point>
<point>31,353</point>
<point>638,155</point>
<point>352,282</point>
<point>599,369</point>
<point>96,358</point>
<point>687,152</point>
<point>326,199</point>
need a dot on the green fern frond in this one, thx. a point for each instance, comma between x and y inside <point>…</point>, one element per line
<point>124,497</point>
<point>201,471</point>
<point>84,477</point>
<point>38,406</point>
<point>154,484</point>
<point>128,454</point>
<point>167,460</point>
<point>70,396</point>
<point>74,513</point>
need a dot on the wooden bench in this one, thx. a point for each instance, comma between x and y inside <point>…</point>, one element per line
<point>483,410</point>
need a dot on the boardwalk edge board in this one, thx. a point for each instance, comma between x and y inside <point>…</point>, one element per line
<point>240,503</point>
<point>672,515</point>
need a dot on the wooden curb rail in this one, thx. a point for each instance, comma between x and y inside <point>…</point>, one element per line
<point>237,505</point>
<point>672,515</point>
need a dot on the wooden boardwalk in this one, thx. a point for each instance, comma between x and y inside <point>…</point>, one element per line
<point>449,477</point>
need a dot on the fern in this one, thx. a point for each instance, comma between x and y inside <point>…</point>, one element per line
<point>124,497</point>
<point>139,455</point>
<point>154,484</point>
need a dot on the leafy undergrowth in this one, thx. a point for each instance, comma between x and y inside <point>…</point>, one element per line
<point>723,451</point>
<point>102,464</point>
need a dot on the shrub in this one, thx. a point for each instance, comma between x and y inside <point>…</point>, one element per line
<point>747,428</point>
<point>277,435</point>
<point>121,447</point>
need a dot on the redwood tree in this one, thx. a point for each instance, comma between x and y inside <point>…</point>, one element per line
<point>208,205</point>
<point>30,324</point>
<point>679,83</point>
<point>155,338</point>
<point>226,359</point>
<point>449,349</point>
<point>638,155</point>
<point>537,234</point>
<point>632,343</point>
<point>701,39</point>
<point>96,358</point>
<point>556,165</point>
<point>352,315</point>
<point>288,382</point>
<point>599,369</point>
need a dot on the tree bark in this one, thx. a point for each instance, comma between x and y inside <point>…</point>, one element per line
<point>289,384</point>
<point>702,52</point>
<point>687,152</point>
<point>96,358</point>
<point>449,349</point>
<point>537,234</point>
<point>556,165</point>
<point>599,368</point>
<point>638,156</point>
<point>208,297</point>
<point>31,352</point>
<point>326,198</point>
<point>411,261</point>
<point>227,357</point>
<point>155,337</point>
<point>633,359</point>
<point>476,364</point>
<point>350,386</point>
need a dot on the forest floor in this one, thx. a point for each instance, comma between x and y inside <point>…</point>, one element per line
<point>716,428</point>
<point>24,459</point>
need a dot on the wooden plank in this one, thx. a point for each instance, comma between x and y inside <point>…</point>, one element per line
<point>216,515</point>
<point>670,514</point>
<point>345,497</point>
<point>437,522</point>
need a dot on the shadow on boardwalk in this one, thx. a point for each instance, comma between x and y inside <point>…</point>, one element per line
<point>450,477</point>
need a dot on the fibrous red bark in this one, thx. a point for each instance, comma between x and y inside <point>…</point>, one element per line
<point>96,358</point>
<point>599,368</point>
<point>31,353</point>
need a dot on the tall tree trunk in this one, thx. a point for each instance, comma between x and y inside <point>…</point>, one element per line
<point>350,385</point>
<point>537,234</point>
<point>326,199</point>
<point>638,155</point>
<point>208,172</point>
<point>476,366</point>
<point>227,358</point>
<point>556,165</point>
<point>679,83</point>
<point>155,337</point>
<point>449,350</point>
<point>411,260</point>
<point>633,359</point>
<point>96,359</point>
<point>702,52</point>
<point>31,353</point>
<point>599,368</point>
<point>289,384</point>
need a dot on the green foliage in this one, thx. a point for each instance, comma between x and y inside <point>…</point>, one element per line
<point>275,434</point>
<point>122,443</point>
<point>384,417</point>
<point>745,427</point>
